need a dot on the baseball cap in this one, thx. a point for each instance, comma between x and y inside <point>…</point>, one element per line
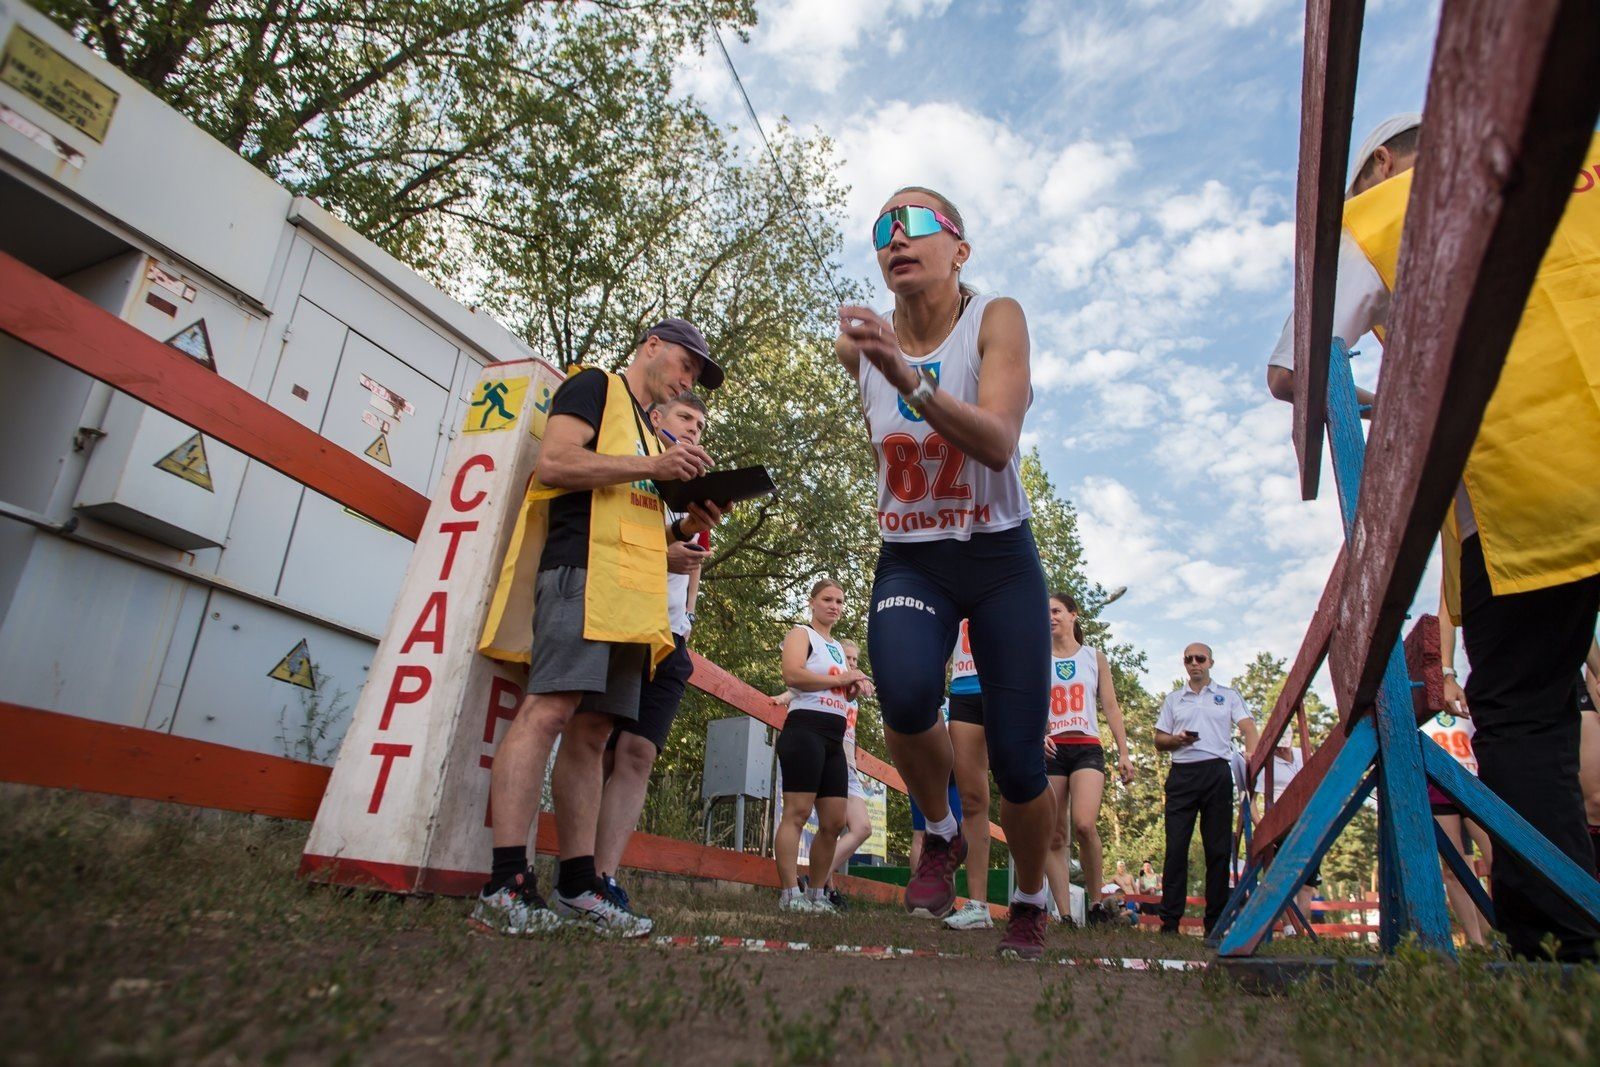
<point>1389,127</point>
<point>685,333</point>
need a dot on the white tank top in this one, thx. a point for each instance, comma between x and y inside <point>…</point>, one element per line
<point>1074,693</point>
<point>927,491</point>
<point>825,657</point>
<point>963,668</point>
<point>1454,735</point>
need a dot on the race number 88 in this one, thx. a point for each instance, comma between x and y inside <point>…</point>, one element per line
<point>1065,699</point>
<point>908,480</point>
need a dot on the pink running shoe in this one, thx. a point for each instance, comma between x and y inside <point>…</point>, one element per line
<point>1025,930</point>
<point>932,890</point>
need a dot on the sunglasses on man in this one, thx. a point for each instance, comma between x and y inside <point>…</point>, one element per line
<point>913,221</point>
<point>1194,659</point>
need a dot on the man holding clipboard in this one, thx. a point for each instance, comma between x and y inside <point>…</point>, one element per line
<point>587,567</point>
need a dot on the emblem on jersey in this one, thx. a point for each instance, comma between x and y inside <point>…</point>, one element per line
<point>838,657</point>
<point>1217,699</point>
<point>1445,719</point>
<point>1067,669</point>
<point>905,409</point>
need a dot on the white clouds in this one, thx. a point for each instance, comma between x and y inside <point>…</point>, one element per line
<point>1081,173</point>
<point>1078,244</point>
<point>818,41</point>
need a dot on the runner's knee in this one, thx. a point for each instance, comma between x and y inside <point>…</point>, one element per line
<point>1019,770</point>
<point>910,705</point>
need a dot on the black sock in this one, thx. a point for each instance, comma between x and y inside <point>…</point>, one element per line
<point>576,876</point>
<point>508,863</point>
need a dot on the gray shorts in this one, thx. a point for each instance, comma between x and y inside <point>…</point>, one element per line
<point>608,675</point>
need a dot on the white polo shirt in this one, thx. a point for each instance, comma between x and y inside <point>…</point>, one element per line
<point>1283,771</point>
<point>1211,713</point>
<point>1360,304</point>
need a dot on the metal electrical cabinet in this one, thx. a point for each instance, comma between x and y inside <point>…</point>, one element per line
<point>149,472</point>
<point>152,576</point>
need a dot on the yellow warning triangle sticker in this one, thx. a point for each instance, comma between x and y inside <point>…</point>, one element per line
<point>295,668</point>
<point>188,461</point>
<point>194,341</point>
<point>379,450</point>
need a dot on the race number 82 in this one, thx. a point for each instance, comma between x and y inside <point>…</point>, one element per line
<point>908,479</point>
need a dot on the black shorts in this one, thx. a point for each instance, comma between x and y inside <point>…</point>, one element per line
<point>1445,807</point>
<point>1069,758</point>
<point>966,707</point>
<point>659,698</point>
<point>811,756</point>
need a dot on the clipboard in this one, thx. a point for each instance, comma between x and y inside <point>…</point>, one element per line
<point>723,488</point>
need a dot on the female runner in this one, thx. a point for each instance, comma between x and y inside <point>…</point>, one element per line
<point>858,821</point>
<point>810,748</point>
<point>1080,680</point>
<point>944,384</point>
<point>972,782</point>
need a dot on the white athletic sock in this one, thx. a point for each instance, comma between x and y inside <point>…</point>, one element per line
<point>1039,899</point>
<point>946,827</point>
<point>816,894</point>
<point>788,894</point>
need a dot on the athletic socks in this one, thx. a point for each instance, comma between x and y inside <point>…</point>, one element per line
<point>1038,899</point>
<point>508,863</point>
<point>946,827</point>
<point>816,894</point>
<point>789,894</point>
<point>576,876</point>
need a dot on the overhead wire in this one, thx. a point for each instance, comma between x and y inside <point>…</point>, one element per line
<point>777,167</point>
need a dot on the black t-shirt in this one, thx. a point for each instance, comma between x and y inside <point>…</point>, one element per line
<point>566,542</point>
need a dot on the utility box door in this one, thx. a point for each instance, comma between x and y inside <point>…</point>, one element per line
<point>340,564</point>
<point>151,473</point>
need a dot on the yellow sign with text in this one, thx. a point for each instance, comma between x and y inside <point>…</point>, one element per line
<point>57,84</point>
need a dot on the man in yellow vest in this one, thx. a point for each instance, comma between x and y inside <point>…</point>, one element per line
<point>592,545</point>
<point>1522,539</point>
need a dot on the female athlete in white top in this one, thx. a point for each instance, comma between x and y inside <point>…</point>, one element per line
<point>810,748</point>
<point>1075,760</point>
<point>944,385</point>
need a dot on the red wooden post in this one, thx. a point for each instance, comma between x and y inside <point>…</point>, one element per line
<point>1327,98</point>
<point>1508,145</point>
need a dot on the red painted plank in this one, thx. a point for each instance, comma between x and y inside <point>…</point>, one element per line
<point>1327,100</point>
<point>1313,650</point>
<point>712,679</point>
<point>1423,664</point>
<point>47,748</point>
<point>58,322</point>
<point>1296,795</point>
<point>1512,103</point>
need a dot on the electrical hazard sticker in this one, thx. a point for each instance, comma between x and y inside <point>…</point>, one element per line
<point>188,461</point>
<point>494,404</point>
<point>295,668</point>
<point>379,450</point>
<point>195,342</point>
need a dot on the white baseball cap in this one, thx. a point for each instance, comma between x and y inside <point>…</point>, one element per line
<point>1389,127</point>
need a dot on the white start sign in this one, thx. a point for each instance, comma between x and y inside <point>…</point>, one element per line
<point>407,806</point>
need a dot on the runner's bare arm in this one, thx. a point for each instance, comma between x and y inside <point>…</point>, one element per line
<point>1252,737</point>
<point>987,431</point>
<point>565,462</point>
<point>847,354</point>
<point>1113,710</point>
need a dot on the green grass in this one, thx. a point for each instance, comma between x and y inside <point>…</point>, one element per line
<point>137,933</point>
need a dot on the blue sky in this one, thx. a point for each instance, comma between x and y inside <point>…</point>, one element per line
<point>1127,172</point>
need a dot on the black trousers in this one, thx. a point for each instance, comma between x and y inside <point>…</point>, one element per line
<point>1525,650</point>
<point>1204,790</point>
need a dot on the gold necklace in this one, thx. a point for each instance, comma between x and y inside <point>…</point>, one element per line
<point>894,318</point>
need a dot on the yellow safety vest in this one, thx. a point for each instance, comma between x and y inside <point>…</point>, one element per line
<point>1533,475</point>
<point>625,596</point>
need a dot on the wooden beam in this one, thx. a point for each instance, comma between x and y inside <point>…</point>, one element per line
<point>40,312</point>
<point>1512,103</point>
<point>47,748</point>
<point>1327,100</point>
<point>1313,650</point>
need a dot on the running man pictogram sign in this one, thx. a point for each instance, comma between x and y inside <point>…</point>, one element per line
<point>407,806</point>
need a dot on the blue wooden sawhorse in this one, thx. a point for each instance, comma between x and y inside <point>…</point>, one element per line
<point>1411,887</point>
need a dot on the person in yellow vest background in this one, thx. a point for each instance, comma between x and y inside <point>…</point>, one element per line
<point>1522,538</point>
<point>588,566</point>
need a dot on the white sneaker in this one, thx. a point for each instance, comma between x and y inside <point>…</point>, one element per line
<point>803,904</point>
<point>973,915</point>
<point>823,906</point>
<point>600,914</point>
<point>514,910</point>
